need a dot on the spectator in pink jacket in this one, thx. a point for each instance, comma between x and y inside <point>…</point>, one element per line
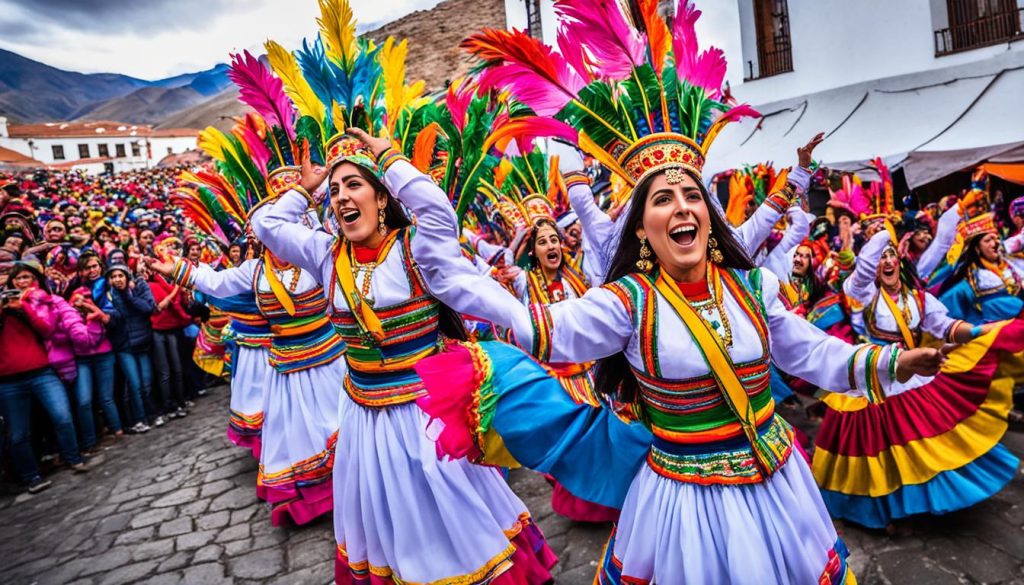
<point>26,322</point>
<point>95,357</point>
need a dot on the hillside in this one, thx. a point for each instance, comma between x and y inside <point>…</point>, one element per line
<point>216,111</point>
<point>148,105</point>
<point>31,91</point>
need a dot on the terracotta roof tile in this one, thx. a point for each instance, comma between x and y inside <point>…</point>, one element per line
<point>92,129</point>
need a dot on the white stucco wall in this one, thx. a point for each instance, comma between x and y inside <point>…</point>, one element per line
<point>839,42</point>
<point>42,148</point>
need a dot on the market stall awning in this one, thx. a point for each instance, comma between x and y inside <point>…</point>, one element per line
<point>931,124</point>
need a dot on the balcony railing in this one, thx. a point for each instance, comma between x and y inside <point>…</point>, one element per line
<point>770,63</point>
<point>983,32</point>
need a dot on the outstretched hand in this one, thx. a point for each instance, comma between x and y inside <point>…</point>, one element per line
<point>376,144</point>
<point>922,361</point>
<point>159,266</point>
<point>805,154</point>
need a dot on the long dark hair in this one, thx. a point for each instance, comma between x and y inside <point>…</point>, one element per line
<point>613,375</point>
<point>531,241</point>
<point>449,320</point>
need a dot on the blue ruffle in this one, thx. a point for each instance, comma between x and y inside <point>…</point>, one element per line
<point>780,389</point>
<point>946,492</point>
<point>590,451</point>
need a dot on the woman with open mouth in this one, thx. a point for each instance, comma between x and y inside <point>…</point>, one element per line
<point>683,334</point>
<point>932,446</point>
<point>302,369</point>
<point>392,494</point>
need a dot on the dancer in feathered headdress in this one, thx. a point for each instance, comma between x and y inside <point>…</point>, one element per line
<point>383,303</point>
<point>684,311</point>
<point>297,380</point>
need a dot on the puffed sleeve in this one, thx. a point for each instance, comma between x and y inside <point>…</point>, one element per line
<point>804,351</point>
<point>598,231</point>
<point>945,233</point>
<point>860,285</point>
<point>279,226</point>
<point>448,274</point>
<point>936,319</point>
<point>219,284</point>
<point>596,325</point>
<point>780,260</point>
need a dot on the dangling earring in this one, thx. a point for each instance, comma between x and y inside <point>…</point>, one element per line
<point>382,228</point>
<point>644,264</point>
<point>713,252</point>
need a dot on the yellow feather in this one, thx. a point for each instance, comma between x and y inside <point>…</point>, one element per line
<point>338,115</point>
<point>590,147</point>
<point>295,85</point>
<point>338,29</point>
<point>213,142</point>
<point>392,64</point>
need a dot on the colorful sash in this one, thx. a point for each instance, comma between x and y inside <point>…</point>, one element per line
<point>363,312</point>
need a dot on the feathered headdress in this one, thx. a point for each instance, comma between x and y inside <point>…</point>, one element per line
<point>643,97</point>
<point>751,184</point>
<point>880,196</point>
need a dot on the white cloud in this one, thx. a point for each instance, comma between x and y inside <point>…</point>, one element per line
<point>206,40</point>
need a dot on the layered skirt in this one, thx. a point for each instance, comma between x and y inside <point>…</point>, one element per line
<point>403,514</point>
<point>300,430</point>
<point>250,374</point>
<point>669,531</point>
<point>929,448</point>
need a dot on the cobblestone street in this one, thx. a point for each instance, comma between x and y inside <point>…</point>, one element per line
<point>178,505</point>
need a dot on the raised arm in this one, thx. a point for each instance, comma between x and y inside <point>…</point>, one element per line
<point>780,260</point>
<point>945,233</point>
<point>280,228</point>
<point>860,285</point>
<point>579,330</point>
<point>756,229</point>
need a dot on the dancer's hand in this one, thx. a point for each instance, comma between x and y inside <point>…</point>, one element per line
<point>312,176</point>
<point>376,144</point>
<point>805,154</point>
<point>923,361</point>
<point>162,268</point>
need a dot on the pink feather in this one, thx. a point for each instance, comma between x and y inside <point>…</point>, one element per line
<point>252,131</point>
<point>530,70</point>
<point>458,100</point>
<point>261,91</point>
<point>706,70</point>
<point>525,131</point>
<point>599,26</point>
<point>739,112</point>
<point>573,54</point>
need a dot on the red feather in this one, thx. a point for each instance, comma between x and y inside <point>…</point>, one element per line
<point>261,91</point>
<point>532,71</point>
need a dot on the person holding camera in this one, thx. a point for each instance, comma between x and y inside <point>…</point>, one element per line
<point>27,320</point>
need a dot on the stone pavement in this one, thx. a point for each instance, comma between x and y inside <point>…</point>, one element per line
<point>178,505</point>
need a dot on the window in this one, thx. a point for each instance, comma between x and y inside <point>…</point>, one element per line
<point>533,24</point>
<point>119,150</point>
<point>136,151</point>
<point>774,48</point>
<point>83,151</point>
<point>58,152</point>
<point>170,150</point>
<point>104,151</point>
<point>978,23</point>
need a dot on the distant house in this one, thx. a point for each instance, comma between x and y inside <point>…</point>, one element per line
<point>94,147</point>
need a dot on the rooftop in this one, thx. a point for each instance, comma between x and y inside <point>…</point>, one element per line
<point>89,129</point>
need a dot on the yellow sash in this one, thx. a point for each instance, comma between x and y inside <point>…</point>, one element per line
<point>363,312</point>
<point>897,314</point>
<point>722,368</point>
<point>276,287</point>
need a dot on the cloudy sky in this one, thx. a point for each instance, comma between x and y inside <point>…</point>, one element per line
<point>153,39</point>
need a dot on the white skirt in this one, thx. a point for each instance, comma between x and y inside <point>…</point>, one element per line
<point>774,532</point>
<point>399,510</point>
<point>250,370</point>
<point>300,426</point>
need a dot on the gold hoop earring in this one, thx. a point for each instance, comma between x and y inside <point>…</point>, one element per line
<point>713,252</point>
<point>644,264</point>
<point>382,228</point>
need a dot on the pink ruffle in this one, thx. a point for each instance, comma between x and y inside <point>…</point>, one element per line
<point>252,442</point>
<point>450,380</point>
<point>311,503</point>
<point>569,506</point>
